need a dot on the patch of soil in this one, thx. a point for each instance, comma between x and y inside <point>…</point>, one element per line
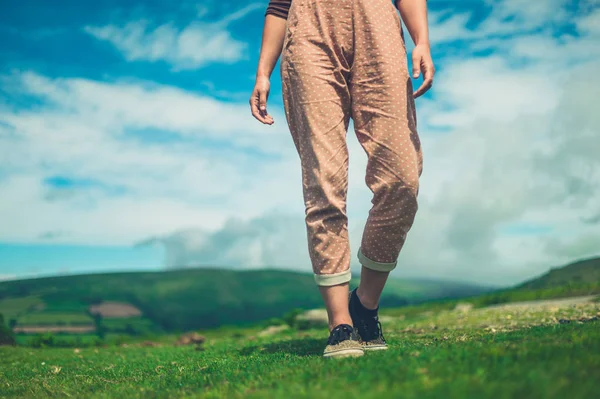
<point>272,330</point>
<point>54,329</point>
<point>558,303</point>
<point>115,310</point>
<point>191,339</point>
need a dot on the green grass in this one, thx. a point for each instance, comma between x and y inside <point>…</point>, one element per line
<point>54,318</point>
<point>11,308</point>
<point>130,325</point>
<point>542,362</point>
<point>66,306</point>
<point>482,353</point>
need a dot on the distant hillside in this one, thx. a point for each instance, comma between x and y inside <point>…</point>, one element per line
<point>180,300</point>
<point>581,272</point>
<point>580,278</point>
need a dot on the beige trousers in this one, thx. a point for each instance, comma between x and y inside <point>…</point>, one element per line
<point>345,59</point>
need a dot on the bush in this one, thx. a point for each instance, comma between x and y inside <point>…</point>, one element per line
<point>290,317</point>
<point>6,335</point>
<point>100,328</point>
<point>49,340</point>
<point>42,340</point>
<point>97,341</point>
<point>495,299</point>
<point>273,321</point>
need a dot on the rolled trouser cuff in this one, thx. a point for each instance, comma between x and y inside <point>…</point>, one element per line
<point>373,265</point>
<point>327,280</point>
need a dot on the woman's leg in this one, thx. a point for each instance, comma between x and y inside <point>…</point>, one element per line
<point>315,66</point>
<point>385,122</point>
<point>335,298</point>
<point>371,286</point>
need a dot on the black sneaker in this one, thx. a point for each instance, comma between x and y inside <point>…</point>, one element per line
<point>369,329</point>
<point>343,342</point>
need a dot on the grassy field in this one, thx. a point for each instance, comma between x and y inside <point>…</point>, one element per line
<point>486,346</point>
<point>550,350</point>
<point>52,318</point>
<point>15,307</point>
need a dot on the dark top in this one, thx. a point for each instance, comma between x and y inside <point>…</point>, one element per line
<point>280,8</point>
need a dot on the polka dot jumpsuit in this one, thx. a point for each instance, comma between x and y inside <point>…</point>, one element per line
<point>345,59</point>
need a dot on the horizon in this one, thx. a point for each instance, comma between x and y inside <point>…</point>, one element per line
<point>284,270</point>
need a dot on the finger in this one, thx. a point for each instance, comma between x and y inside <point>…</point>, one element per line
<point>428,72</point>
<point>419,91</point>
<point>425,86</point>
<point>258,114</point>
<point>415,67</point>
<point>268,118</point>
<point>254,107</point>
<point>262,101</point>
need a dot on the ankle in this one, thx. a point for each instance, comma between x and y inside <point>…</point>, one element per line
<point>368,302</point>
<point>336,322</point>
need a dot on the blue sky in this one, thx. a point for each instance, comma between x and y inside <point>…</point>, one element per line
<point>126,141</point>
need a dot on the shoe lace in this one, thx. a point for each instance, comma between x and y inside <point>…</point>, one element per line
<point>372,329</point>
<point>339,334</point>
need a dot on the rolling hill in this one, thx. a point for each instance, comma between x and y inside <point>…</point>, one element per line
<point>581,272</point>
<point>581,278</point>
<point>181,300</point>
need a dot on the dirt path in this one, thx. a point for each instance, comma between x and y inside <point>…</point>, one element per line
<point>554,303</point>
<point>54,329</point>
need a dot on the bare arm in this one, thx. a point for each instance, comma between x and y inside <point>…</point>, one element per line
<point>272,44</point>
<point>414,16</point>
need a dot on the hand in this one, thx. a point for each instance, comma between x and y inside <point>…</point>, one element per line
<point>258,100</point>
<point>422,62</point>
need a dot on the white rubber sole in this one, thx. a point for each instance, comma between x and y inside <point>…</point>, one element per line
<point>375,348</point>
<point>345,353</point>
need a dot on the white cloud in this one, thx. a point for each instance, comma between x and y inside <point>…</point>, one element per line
<point>523,169</point>
<point>445,28</point>
<point>274,239</point>
<point>590,23</point>
<point>196,45</point>
<point>144,105</point>
<point>508,93</point>
<point>506,19</point>
<point>83,130</point>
